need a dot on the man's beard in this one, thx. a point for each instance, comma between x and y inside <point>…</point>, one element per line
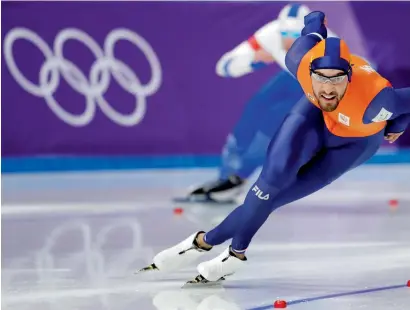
<point>328,102</point>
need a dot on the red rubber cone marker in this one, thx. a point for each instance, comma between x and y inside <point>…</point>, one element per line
<point>178,211</point>
<point>280,304</point>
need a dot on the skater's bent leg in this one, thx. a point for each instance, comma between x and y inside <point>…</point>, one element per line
<point>323,169</point>
<point>298,139</point>
<point>243,135</point>
<point>224,231</point>
<point>246,146</point>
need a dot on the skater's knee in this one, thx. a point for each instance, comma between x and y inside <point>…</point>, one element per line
<point>316,178</point>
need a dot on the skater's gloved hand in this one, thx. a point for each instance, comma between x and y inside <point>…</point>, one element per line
<point>392,137</point>
<point>315,22</point>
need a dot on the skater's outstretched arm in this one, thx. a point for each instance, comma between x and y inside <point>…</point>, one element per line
<point>313,32</point>
<point>251,54</point>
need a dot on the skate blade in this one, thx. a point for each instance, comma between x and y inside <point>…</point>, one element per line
<point>203,200</point>
<point>151,267</point>
<point>201,282</point>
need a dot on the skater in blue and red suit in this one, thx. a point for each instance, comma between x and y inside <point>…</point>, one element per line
<point>347,110</point>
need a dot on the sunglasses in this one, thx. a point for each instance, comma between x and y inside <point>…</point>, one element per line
<point>326,79</point>
<point>290,34</point>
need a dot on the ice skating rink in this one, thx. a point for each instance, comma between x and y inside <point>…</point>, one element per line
<point>73,241</point>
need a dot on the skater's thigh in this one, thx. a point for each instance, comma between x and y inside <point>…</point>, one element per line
<point>296,142</point>
<point>333,162</point>
<point>327,166</point>
<point>254,114</point>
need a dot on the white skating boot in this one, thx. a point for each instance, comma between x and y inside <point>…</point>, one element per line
<point>177,256</point>
<point>217,269</point>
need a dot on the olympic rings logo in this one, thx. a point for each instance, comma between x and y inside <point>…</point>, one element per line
<point>93,87</point>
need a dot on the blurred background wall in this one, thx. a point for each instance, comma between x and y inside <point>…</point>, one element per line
<point>107,85</point>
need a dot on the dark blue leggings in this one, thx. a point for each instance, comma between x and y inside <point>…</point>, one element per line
<point>302,158</point>
<point>246,146</point>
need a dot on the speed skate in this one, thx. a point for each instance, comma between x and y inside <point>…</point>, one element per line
<point>204,200</point>
<point>211,272</point>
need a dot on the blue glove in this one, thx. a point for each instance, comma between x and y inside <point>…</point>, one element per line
<point>314,22</point>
